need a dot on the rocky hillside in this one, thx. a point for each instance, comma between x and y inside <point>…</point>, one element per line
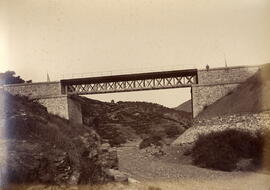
<point>252,96</point>
<point>123,121</point>
<point>37,147</point>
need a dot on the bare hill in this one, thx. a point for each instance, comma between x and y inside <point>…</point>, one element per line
<point>252,96</point>
<point>186,106</point>
<point>123,121</point>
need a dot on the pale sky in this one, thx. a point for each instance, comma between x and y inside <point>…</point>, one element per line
<point>65,37</point>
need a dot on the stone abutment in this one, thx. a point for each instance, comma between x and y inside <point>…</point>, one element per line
<point>213,84</point>
<point>49,95</point>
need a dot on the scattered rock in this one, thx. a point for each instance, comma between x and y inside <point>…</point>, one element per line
<point>244,165</point>
<point>116,175</point>
<point>153,151</point>
<point>133,181</point>
<point>246,122</point>
<point>108,157</point>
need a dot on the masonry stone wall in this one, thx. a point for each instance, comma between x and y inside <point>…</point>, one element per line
<point>226,75</point>
<point>57,105</point>
<point>213,84</point>
<point>49,95</point>
<point>203,96</point>
<point>35,90</point>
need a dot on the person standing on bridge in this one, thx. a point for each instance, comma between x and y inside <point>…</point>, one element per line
<point>207,67</point>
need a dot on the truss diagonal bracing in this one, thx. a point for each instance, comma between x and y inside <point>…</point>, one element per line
<point>132,82</point>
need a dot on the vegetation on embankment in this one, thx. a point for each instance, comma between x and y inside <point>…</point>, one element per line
<point>37,147</point>
<point>217,142</point>
<point>9,77</point>
<point>225,149</point>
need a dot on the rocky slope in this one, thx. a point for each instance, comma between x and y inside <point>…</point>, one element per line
<point>246,122</point>
<point>123,121</point>
<point>37,147</point>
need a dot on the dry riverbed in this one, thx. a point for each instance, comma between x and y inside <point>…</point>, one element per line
<point>175,171</point>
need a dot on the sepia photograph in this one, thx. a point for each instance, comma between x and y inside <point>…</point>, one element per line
<point>134,95</point>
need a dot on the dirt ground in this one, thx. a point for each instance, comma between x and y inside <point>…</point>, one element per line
<point>175,171</point>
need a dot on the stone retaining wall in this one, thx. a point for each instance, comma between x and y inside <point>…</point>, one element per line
<point>203,96</point>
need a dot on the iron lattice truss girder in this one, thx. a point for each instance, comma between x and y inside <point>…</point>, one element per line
<point>130,85</point>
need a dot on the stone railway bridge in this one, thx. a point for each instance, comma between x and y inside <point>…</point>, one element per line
<point>207,86</point>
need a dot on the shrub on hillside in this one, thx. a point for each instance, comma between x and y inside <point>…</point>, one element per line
<point>152,140</point>
<point>266,152</point>
<point>117,141</point>
<point>112,134</point>
<point>173,131</point>
<point>9,77</point>
<point>223,150</point>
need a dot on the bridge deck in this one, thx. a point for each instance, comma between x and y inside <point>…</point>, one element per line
<point>130,82</point>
